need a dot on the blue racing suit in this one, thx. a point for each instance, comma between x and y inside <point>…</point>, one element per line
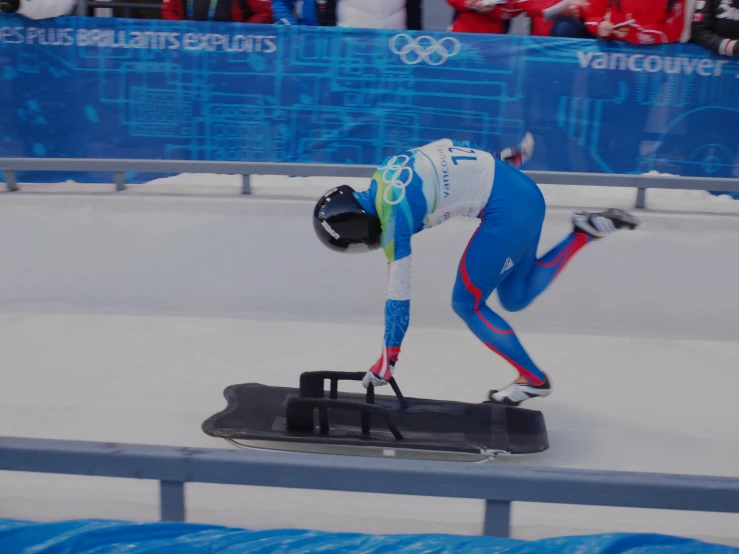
<point>425,186</point>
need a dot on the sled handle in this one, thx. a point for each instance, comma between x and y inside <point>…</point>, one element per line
<point>401,398</point>
<point>311,385</point>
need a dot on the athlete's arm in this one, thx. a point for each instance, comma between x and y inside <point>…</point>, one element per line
<point>397,316</point>
<point>397,229</point>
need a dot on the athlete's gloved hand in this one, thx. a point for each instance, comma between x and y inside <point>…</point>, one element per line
<point>520,154</point>
<point>370,378</point>
<point>380,373</point>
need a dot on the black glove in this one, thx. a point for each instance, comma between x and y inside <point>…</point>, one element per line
<point>9,6</point>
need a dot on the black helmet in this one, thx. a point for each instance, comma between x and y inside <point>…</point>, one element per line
<point>342,224</point>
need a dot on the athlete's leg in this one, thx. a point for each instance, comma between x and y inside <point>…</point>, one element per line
<point>532,276</point>
<point>511,221</point>
<point>482,267</point>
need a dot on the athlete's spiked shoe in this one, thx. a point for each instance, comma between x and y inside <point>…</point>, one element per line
<point>521,389</point>
<point>600,224</point>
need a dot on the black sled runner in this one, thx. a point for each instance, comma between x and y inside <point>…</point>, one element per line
<point>306,420</point>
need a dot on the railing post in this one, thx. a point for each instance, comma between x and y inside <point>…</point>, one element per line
<point>10,180</point>
<point>120,181</point>
<point>641,198</point>
<point>246,184</point>
<point>82,7</point>
<point>172,500</point>
<point>497,518</point>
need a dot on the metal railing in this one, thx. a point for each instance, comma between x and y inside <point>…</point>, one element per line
<point>497,484</point>
<point>118,169</point>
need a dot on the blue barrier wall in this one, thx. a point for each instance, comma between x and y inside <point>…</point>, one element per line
<point>116,88</point>
<point>100,536</point>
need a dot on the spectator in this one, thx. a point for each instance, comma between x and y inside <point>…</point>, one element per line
<point>540,25</point>
<point>290,12</point>
<point>636,21</point>
<point>688,26</point>
<point>568,18</point>
<point>239,11</point>
<point>39,9</point>
<point>483,16</point>
<point>372,14</point>
<point>545,14</point>
<point>716,26</point>
<point>9,6</point>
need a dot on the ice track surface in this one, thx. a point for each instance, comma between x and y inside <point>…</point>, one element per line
<point>123,317</point>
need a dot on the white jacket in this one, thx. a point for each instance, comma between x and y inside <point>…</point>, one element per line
<point>377,14</point>
<point>45,9</point>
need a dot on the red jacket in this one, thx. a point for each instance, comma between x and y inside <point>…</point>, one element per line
<point>540,27</point>
<point>469,21</point>
<point>261,11</point>
<point>654,23</point>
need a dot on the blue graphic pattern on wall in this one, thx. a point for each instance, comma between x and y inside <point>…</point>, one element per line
<point>116,88</point>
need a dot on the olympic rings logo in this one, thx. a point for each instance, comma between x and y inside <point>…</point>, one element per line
<point>424,49</point>
<point>398,175</point>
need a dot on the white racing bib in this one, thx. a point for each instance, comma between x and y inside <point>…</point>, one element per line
<point>457,181</point>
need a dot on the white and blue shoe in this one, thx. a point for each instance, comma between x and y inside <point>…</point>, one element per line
<point>600,224</point>
<point>521,389</point>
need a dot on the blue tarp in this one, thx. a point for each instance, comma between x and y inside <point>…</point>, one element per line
<point>106,537</point>
<point>82,87</point>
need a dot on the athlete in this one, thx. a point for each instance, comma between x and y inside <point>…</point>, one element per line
<point>425,186</point>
